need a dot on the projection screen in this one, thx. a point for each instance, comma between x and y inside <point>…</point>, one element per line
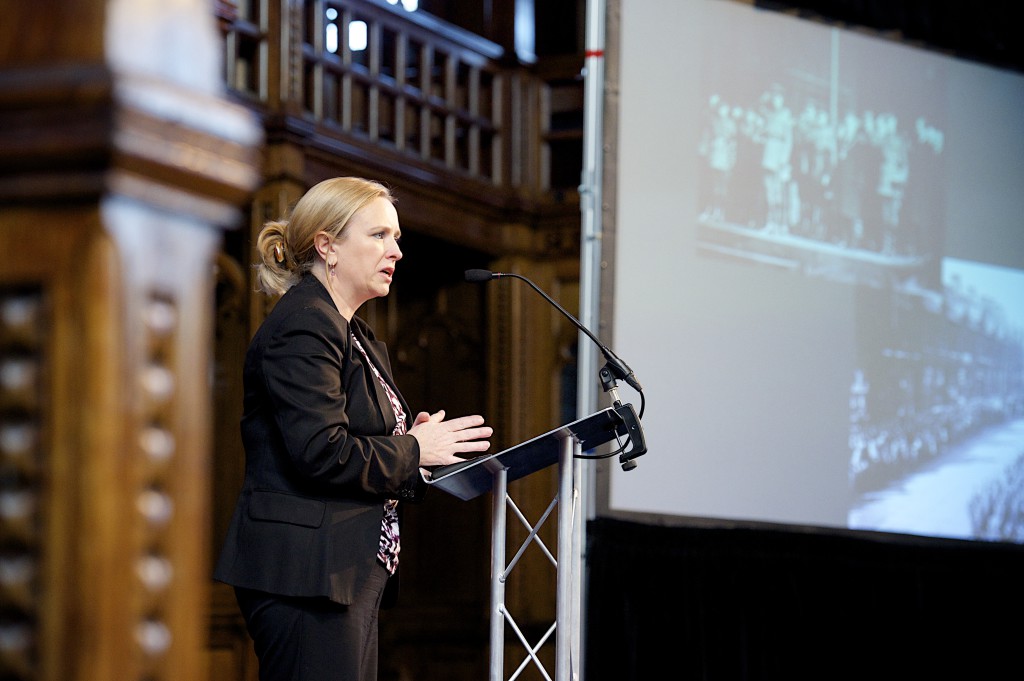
<point>817,274</point>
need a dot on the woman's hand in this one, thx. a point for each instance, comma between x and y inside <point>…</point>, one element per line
<point>441,441</point>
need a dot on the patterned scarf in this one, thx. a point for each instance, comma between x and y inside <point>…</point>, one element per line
<point>387,552</point>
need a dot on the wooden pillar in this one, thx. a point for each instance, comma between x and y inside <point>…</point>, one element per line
<point>120,162</point>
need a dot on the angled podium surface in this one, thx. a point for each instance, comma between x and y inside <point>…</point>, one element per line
<point>492,473</point>
<point>474,477</point>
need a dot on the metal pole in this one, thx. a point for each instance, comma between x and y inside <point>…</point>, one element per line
<point>577,565</point>
<point>566,634</point>
<point>591,207</point>
<point>499,495</point>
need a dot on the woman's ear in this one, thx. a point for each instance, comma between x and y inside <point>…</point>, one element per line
<point>322,242</point>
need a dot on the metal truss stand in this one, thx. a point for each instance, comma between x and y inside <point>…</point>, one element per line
<point>493,473</point>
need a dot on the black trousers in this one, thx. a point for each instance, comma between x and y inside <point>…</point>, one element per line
<point>315,639</point>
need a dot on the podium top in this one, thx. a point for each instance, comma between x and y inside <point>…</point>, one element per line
<point>473,477</point>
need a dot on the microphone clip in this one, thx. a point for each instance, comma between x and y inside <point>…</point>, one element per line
<point>635,434</point>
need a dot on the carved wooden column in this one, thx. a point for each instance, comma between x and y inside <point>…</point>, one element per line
<point>120,162</point>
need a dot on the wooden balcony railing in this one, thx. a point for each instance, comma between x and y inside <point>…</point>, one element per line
<point>434,96</point>
<point>246,28</point>
<point>425,92</point>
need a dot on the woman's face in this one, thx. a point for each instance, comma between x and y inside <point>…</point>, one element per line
<point>367,253</point>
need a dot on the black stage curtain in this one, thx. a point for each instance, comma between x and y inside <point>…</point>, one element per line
<point>750,603</point>
<point>985,30</point>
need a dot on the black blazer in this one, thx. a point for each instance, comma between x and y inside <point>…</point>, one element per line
<point>319,455</point>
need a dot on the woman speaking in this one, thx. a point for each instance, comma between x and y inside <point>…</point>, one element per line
<point>330,444</point>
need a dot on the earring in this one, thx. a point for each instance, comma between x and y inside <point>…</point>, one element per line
<point>330,268</point>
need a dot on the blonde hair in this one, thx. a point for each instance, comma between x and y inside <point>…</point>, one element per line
<point>286,247</point>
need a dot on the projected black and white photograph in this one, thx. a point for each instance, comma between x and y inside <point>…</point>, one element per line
<point>810,169</point>
<point>937,408</point>
<point>820,277</point>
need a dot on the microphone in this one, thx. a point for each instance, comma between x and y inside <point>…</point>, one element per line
<point>614,365</point>
<point>613,369</point>
<point>480,275</point>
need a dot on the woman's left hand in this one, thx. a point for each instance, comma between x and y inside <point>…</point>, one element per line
<point>442,441</point>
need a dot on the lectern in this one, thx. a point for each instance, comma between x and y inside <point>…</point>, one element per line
<point>565,446</point>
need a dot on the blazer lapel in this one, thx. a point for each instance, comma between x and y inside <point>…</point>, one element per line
<point>376,351</point>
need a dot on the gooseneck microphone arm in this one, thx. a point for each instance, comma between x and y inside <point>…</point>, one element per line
<point>615,366</point>
<point>613,370</point>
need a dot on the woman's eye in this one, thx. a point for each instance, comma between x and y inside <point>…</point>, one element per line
<point>384,235</point>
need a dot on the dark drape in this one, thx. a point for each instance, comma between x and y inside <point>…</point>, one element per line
<point>979,31</point>
<point>751,603</point>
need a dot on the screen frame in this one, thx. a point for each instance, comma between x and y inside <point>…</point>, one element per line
<point>604,470</point>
